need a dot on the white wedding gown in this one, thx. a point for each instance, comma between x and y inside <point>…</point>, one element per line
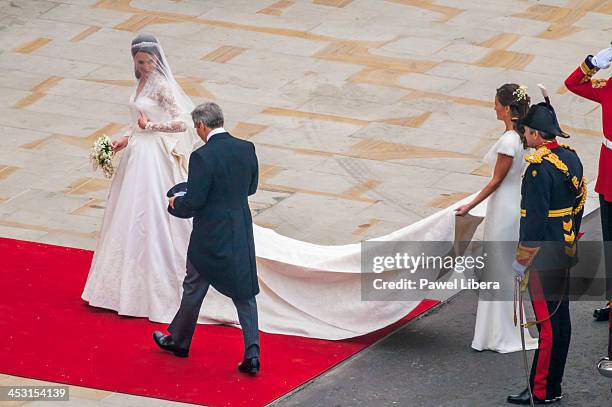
<point>139,262</point>
<point>495,328</point>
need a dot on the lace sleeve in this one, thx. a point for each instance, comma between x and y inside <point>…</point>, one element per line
<point>166,100</point>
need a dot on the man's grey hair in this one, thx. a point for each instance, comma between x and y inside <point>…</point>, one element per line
<point>208,113</point>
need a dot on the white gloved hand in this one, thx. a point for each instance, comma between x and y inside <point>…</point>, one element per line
<point>518,269</point>
<point>603,59</point>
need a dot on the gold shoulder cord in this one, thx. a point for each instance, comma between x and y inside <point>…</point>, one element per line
<point>556,161</point>
<point>575,182</point>
<point>582,196</point>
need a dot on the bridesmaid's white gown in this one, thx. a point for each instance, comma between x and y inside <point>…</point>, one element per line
<point>495,328</point>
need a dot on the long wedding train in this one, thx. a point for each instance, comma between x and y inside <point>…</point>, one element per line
<point>315,291</point>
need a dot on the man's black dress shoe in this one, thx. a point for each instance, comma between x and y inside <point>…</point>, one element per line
<point>250,366</point>
<point>523,399</point>
<point>166,343</point>
<point>602,314</point>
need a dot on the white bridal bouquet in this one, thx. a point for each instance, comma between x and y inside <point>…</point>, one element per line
<point>101,155</point>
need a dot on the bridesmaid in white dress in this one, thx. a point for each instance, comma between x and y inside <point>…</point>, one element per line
<point>495,329</point>
<point>139,261</point>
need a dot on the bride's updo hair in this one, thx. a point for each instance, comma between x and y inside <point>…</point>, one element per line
<point>148,48</point>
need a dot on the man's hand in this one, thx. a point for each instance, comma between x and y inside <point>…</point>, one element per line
<point>171,202</point>
<point>603,59</point>
<point>518,270</point>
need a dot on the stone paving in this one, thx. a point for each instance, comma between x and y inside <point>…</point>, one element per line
<point>367,115</point>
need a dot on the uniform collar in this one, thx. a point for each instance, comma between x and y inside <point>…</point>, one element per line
<point>551,145</point>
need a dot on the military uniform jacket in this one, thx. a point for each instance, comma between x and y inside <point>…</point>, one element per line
<point>581,83</point>
<point>553,192</point>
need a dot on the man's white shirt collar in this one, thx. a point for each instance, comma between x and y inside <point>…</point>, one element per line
<point>218,130</point>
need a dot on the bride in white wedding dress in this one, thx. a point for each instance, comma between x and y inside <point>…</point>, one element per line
<point>495,329</point>
<point>139,261</point>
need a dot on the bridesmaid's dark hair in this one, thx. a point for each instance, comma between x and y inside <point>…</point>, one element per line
<point>149,49</point>
<point>519,106</point>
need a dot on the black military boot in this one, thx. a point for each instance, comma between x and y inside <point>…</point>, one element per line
<point>602,314</point>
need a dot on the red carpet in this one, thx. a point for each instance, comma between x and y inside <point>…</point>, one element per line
<point>49,333</point>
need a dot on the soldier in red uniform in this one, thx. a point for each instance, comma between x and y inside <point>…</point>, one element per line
<point>581,83</point>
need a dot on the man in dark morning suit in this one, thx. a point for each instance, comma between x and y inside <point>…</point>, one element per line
<point>553,193</point>
<point>222,175</point>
